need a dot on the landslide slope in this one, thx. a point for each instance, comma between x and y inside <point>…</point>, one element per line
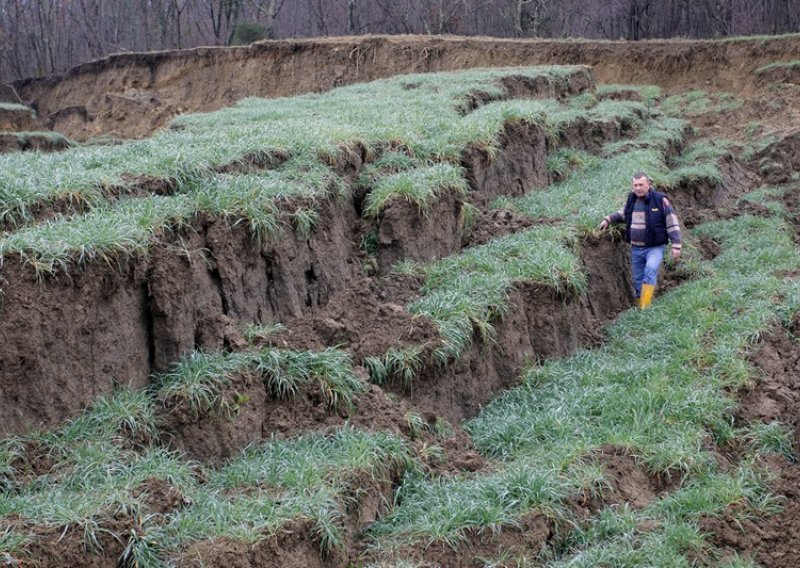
<point>289,322</point>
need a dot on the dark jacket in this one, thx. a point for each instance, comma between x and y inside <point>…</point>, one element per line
<point>656,220</point>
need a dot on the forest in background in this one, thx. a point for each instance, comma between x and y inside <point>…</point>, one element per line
<point>41,37</point>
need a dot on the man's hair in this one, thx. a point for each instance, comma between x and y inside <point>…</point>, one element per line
<point>640,175</point>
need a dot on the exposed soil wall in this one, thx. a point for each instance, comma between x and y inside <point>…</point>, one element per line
<point>63,344</point>
<point>539,324</point>
<point>67,340</point>
<point>771,540</point>
<point>132,94</point>
<point>17,119</point>
<point>778,161</point>
<point>520,167</point>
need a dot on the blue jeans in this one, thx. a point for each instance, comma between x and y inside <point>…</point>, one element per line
<point>645,262</point>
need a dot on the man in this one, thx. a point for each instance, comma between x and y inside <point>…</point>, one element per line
<point>650,222</point>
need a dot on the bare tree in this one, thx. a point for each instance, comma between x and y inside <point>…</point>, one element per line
<point>269,9</point>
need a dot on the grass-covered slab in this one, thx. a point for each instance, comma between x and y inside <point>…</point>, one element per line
<point>779,72</point>
<point>132,225</point>
<point>16,117</point>
<point>45,141</point>
<point>467,292</point>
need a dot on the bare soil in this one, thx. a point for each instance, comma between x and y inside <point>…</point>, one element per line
<point>292,546</point>
<point>773,541</point>
<point>17,120</point>
<point>625,481</point>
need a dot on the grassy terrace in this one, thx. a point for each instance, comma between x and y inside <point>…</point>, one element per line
<point>793,64</point>
<point>414,127</point>
<point>661,388</point>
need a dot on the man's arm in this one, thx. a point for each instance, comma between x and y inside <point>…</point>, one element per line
<point>616,217</point>
<point>673,228</point>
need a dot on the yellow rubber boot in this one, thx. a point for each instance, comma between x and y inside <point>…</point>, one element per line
<point>647,295</point>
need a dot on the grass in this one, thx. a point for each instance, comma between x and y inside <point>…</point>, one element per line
<point>658,134</point>
<point>312,128</point>
<point>565,161</point>
<point>615,536</point>
<point>602,185</point>
<point>447,509</point>
<point>306,478</point>
<point>14,107</point>
<point>395,364</point>
<point>775,65</point>
<point>199,379</point>
<point>96,478</point>
<point>420,186</point>
<point>699,102</point>
<point>758,146</point>
<point>47,134</point>
<point>465,293</point>
<point>11,545</point>
<point>703,150</point>
<point>650,94</point>
<point>600,189</point>
<point>254,332</point>
<point>130,226</point>
<point>694,174</point>
<point>660,387</point>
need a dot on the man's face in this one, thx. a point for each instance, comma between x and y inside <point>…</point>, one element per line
<point>641,186</point>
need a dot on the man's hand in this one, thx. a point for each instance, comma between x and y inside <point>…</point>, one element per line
<point>675,254</point>
<point>603,224</point>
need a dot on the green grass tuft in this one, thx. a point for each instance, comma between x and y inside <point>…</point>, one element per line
<point>793,64</point>
<point>396,364</point>
<point>198,379</point>
<point>420,186</point>
<point>15,107</point>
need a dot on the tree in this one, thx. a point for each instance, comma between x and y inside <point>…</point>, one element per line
<point>269,9</point>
